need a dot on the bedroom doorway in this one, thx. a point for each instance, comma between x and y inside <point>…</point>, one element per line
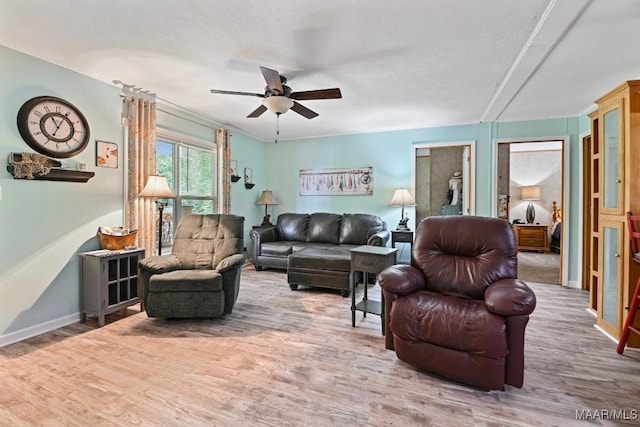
<point>537,166</point>
<point>438,167</point>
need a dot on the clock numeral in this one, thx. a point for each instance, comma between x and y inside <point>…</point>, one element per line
<point>46,108</point>
<point>37,114</point>
<point>58,109</point>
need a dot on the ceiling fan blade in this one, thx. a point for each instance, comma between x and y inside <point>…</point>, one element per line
<point>303,111</point>
<point>257,112</point>
<point>231,92</point>
<point>317,94</point>
<point>272,78</point>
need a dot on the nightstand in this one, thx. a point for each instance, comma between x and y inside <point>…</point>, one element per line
<point>531,237</point>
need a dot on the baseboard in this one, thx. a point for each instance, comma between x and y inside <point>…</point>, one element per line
<point>32,331</point>
<point>573,284</point>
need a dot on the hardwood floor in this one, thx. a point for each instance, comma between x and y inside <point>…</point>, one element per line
<point>288,358</point>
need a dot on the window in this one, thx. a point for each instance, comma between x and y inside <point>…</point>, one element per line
<point>191,171</point>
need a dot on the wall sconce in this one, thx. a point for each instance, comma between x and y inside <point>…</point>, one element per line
<point>248,178</point>
<point>233,165</point>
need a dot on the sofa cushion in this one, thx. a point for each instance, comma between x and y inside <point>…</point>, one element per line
<point>279,248</point>
<point>324,228</point>
<point>357,228</point>
<point>293,226</point>
<point>321,259</point>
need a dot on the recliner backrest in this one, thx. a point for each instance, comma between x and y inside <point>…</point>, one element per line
<point>202,241</point>
<point>463,255</point>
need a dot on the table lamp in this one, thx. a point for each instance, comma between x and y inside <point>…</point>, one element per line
<point>158,188</point>
<point>531,193</point>
<point>403,198</point>
<point>266,199</point>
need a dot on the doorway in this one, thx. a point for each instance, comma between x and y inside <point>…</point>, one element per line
<point>443,178</point>
<point>530,177</point>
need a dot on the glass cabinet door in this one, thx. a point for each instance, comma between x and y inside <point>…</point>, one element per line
<point>612,236</point>
<point>613,158</point>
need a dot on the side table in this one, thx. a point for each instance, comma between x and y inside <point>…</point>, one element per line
<point>109,281</point>
<point>369,259</point>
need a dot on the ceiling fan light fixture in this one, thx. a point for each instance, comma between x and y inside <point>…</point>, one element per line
<point>277,104</point>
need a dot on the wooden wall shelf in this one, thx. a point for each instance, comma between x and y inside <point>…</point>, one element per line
<point>59,175</point>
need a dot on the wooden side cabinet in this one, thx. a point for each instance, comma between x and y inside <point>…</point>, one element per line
<point>532,237</point>
<point>109,281</point>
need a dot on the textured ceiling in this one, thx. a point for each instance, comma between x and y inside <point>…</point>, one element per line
<point>400,65</point>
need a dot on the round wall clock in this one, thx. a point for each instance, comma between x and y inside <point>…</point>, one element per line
<point>53,127</point>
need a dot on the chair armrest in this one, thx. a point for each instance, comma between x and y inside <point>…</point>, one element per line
<point>510,297</point>
<point>379,239</point>
<point>264,234</point>
<point>401,279</point>
<point>230,262</point>
<point>159,264</point>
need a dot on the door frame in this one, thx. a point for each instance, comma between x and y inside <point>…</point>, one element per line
<point>469,187</point>
<point>566,196</point>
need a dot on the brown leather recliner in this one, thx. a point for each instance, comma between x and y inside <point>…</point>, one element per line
<point>459,310</point>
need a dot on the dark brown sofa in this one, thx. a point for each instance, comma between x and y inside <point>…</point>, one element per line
<point>459,310</point>
<point>314,248</point>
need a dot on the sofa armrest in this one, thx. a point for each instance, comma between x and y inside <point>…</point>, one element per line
<point>401,279</point>
<point>510,297</point>
<point>230,263</point>
<point>159,264</point>
<point>379,239</point>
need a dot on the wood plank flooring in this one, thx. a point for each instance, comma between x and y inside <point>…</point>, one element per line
<point>291,358</point>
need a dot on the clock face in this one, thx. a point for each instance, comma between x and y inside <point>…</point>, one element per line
<point>53,127</point>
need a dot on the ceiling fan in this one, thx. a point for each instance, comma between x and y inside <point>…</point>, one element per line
<point>278,97</point>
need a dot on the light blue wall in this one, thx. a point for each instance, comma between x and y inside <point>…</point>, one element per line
<point>390,155</point>
<point>45,224</point>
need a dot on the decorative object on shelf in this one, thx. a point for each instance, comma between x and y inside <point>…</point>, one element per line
<point>106,154</point>
<point>331,182</point>
<point>248,178</point>
<point>158,188</point>
<point>116,238</point>
<point>266,199</point>
<point>53,127</point>
<point>531,193</point>
<point>40,168</point>
<point>402,197</point>
<point>503,206</point>
<point>233,165</point>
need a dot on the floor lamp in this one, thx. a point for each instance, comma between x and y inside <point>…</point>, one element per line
<point>158,188</point>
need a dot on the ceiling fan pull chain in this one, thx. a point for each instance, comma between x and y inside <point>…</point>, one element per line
<point>277,127</point>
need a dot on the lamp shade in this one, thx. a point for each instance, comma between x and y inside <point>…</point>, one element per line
<point>531,192</point>
<point>402,197</point>
<point>266,198</point>
<point>157,187</point>
<point>277,104</point>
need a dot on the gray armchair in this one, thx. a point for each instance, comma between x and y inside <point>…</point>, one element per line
<point>201,277</point>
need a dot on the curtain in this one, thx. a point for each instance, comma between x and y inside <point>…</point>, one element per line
<point>223,143</point>
<point>140,112</point>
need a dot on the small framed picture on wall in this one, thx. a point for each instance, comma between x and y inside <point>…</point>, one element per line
<point>106,154</point>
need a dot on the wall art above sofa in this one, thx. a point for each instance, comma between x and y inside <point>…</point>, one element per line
<point>332,182</point>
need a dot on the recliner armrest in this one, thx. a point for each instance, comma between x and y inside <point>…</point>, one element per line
<point>401,279</point>
<point>159,264</point>
<point>379,239</point>
<point>510,297</point>
<point>230,262</point>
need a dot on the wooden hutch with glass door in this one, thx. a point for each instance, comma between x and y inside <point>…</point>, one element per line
<point>615,175</point>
